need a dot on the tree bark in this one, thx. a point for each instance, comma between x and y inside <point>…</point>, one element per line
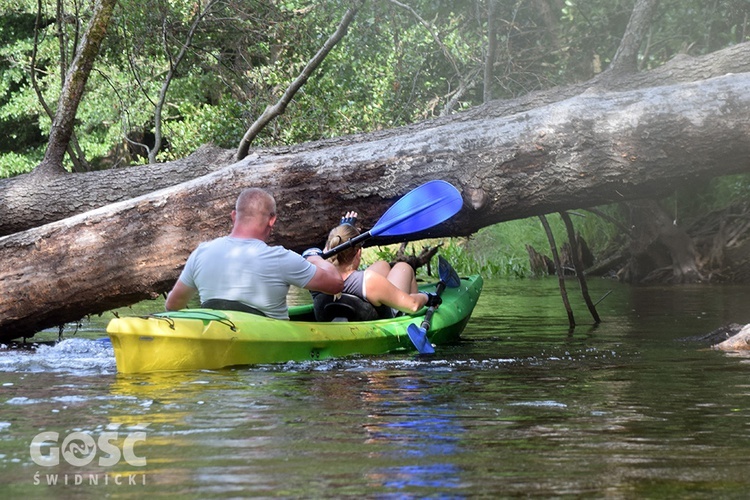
<point>29,200</point>
<point>33,200</point>
<point>589,150</point>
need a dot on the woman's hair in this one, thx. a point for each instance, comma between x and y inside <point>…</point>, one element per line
<point>342,234</point>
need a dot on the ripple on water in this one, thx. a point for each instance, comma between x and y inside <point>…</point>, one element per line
<point>93,357</point>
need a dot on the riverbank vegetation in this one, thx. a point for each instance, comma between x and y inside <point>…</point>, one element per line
<point>501,250</point>
<point>400,63</point>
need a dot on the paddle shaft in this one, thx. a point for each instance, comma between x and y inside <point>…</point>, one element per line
<point>431,310</point>
<point>347,244</point>
<point>418,334</point>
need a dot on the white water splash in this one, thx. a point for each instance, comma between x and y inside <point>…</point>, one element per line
<point>75,356</point>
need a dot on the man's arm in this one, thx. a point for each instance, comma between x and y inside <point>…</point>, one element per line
<point>326,279</point>
<point>179,297</point>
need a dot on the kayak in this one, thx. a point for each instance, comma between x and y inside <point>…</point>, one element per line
<point>197,339</point>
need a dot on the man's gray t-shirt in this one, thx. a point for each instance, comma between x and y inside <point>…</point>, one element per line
<point>248,271</point>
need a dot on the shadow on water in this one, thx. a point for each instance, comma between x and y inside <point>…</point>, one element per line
<point>521,407</point>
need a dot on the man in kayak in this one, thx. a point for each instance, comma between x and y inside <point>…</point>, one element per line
<point>241,272</point>
<point>389,289</point>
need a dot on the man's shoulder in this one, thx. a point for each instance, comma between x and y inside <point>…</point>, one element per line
<point>204,245</point>
<point>284,252</point>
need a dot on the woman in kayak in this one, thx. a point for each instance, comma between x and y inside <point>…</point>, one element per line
<point>379,284</point>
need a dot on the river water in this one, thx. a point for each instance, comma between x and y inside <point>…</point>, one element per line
<point>521,407</point>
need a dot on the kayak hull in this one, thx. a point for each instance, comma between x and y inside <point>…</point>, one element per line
<point>196,339</point>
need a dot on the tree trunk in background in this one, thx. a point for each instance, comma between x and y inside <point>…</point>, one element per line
<point>72,91</point>
<point>625,59</point>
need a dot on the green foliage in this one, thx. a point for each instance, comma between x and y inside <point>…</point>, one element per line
<point>500,250</point>
<point>600,233</point>
<point>467,256</point>
<point>729,189</point>
<point>13,164</point>
<point>505,244</point>
<point>592,30</point>
<point>694,202</point>
<point>389,70</point>
<point>467,260</point>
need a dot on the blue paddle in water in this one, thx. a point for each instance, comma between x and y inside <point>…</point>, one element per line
<point>418,334</point>
<point>421,208</point>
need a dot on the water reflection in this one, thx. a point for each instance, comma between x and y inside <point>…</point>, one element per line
<point>405,421</point>
<point>522,407</point>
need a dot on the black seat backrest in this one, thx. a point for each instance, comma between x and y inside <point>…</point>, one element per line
<point>346,308</point>
<point>230,305</point>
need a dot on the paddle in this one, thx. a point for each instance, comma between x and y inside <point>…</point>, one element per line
<point>421,208</point>
<point>418,334</point>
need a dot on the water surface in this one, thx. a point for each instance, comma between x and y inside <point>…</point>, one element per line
<point>523,406</point>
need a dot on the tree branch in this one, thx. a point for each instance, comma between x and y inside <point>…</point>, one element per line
<point>278,109</point>
<point>625,59</point>
<point>72,91</point>
<point>173,64</point>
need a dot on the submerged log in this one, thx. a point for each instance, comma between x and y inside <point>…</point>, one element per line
<point>717,336</point>
<point>740,341</point>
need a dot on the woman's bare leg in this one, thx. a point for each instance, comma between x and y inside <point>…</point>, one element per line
<point>402,276</point>
<point>381,267</point>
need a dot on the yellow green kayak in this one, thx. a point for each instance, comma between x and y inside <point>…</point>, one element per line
<point>195,339</point>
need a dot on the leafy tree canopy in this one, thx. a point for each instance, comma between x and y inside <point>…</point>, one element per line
<point>401,62</point>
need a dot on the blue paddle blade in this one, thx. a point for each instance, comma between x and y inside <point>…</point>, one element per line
<point>425,206</point>
<point>447,274</point>
<point>418,337</point>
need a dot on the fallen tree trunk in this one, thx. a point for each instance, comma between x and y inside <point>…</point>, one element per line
<point>586,151</point>
<point>41,197</point>
<point>38,198</point>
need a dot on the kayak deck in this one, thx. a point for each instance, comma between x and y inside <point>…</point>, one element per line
<point>194,339</point>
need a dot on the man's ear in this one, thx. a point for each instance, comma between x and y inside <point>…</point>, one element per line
<point>234,215</point>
